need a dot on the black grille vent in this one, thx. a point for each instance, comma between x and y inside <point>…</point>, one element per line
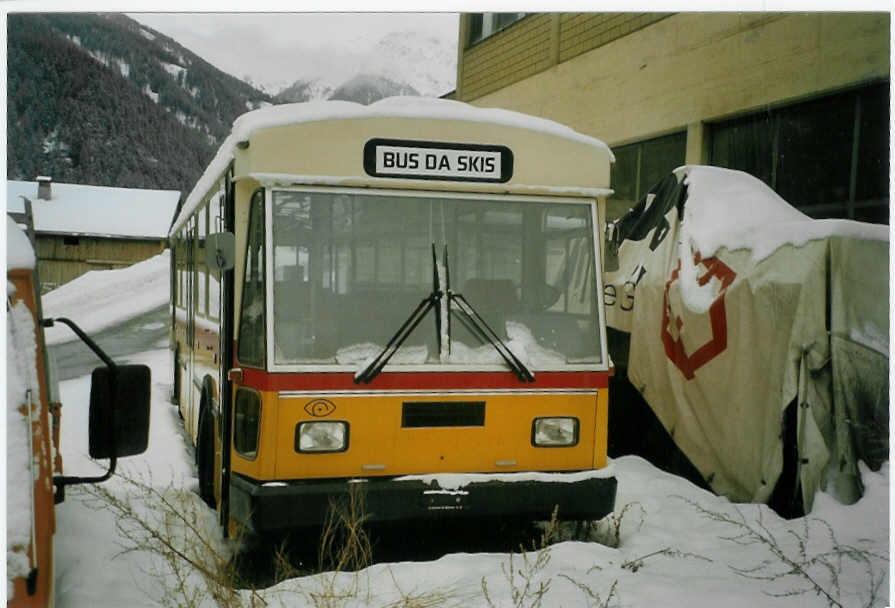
<point>417,414</point>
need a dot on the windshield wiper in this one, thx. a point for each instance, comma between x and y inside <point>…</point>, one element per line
<point>433,299</point>
<point>466,313</point>
<point>478,326</point>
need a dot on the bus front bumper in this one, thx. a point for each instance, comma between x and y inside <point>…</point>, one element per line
<point>267,507</point>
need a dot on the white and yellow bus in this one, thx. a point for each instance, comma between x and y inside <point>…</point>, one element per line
<point>388,294</point>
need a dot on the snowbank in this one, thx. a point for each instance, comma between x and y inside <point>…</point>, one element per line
<point>102,298</point>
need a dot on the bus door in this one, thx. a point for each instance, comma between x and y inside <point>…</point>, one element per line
<point>190,291</point>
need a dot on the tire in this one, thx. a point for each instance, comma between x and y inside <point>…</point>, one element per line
<point>205,457</point>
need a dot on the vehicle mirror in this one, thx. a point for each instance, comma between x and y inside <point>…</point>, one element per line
<point>220,250</point>
<point>128,407</point>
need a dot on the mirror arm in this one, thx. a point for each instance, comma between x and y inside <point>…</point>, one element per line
<point>84,338</point>
<point>60,481</point>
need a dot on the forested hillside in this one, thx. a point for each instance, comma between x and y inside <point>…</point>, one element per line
<point>100,99</point>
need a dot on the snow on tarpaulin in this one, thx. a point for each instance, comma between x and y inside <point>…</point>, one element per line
<point>737,305</point>
<point>391,107</point>
<point>108,302</point>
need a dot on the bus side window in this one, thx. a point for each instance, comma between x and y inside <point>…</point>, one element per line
<point>251,323</point>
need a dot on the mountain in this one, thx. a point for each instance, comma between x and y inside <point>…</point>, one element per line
<point>305,90</point>
<point>423,62</point>
<point>401,63</point>
<point>366,88</point>
<point>100,99</point>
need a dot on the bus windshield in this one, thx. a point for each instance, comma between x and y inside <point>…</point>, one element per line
<point>349,268</point>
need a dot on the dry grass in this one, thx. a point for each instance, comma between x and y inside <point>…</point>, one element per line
<point>190,560</point>
<point>811,572</point>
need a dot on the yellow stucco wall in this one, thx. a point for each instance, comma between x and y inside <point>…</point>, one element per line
<point>536,43</point>
<point>581,32</point>
<point>689,68</point>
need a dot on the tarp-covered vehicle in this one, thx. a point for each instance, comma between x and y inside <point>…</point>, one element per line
<point>757,335</point>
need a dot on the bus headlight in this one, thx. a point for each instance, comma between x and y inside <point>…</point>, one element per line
<point>321,436</point>
<point>554,432</point>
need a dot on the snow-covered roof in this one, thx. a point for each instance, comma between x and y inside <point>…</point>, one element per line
<point>96,210</point>
<point>391,107</point>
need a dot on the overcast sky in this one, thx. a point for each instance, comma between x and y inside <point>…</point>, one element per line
<point>273,47</point>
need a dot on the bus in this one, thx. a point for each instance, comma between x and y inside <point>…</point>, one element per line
<point>404,298</point>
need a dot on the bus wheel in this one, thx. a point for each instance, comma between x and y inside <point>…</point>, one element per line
<point>205,458</point>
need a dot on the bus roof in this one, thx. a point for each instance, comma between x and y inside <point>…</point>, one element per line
<point>394,107</point>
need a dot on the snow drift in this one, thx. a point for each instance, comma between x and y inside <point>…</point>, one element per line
<point>100,298</point>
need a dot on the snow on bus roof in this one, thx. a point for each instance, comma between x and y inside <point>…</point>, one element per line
<point>392,107</point>
<point>19,252</point>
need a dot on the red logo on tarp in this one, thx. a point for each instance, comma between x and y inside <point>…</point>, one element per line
<point>674,346</point>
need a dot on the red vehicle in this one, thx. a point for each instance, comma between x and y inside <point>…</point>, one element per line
<point>119,426</point>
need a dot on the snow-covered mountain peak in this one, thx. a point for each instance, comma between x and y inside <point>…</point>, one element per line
<point>423,61</point>
<point>407,62</point>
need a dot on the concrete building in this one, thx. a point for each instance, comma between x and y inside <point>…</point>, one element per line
<point>79,228</point>
<point>799,100</point>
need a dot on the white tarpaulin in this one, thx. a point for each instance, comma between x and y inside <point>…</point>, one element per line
<point>737,306</point>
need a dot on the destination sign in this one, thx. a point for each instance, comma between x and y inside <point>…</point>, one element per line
<point>437,160</point>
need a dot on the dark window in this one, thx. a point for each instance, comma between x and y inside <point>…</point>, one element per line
<point>70,240</point>
<point>247,422</point>
<point>828,157</point>
<point>641,165</point>
<point>251,323</point>
<point>484,25</point>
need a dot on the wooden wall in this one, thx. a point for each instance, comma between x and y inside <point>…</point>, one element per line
<point>59,263</point>
<point>536,43</point>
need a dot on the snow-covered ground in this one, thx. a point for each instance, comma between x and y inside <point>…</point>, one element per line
<point>671,553</point>
<point>94,300</point>
<point>679,545</point>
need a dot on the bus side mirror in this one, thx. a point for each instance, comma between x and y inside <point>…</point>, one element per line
<point>128,407</point>
<point>220,249</point>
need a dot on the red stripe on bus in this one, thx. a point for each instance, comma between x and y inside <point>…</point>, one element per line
<point>344,381</point>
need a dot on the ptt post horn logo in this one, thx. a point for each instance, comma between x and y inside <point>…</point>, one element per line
<point>674,345</point>
<point>320,408</point>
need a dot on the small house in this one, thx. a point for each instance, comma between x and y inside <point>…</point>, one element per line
<point>78,228</point>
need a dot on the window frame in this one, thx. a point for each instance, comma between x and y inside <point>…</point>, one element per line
<point>263,362</point>
<point>273,366</point>
<point>639,147</point>
<point>492,29</point>
<point>775,115</point>
<point>215,206</point>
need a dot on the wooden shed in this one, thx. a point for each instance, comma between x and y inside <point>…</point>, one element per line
<point>78,228</point>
